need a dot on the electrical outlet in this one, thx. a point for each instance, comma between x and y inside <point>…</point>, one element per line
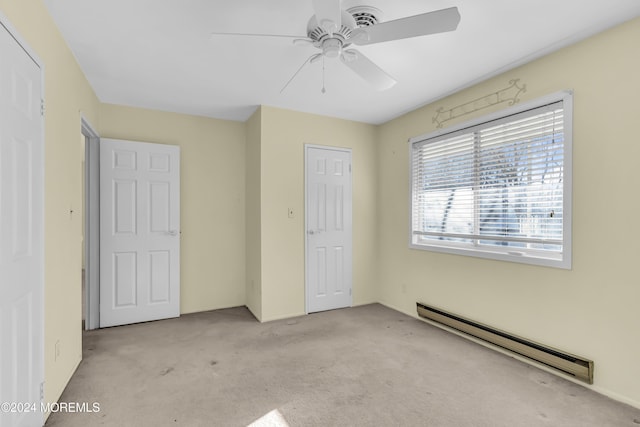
<point>290,213</point>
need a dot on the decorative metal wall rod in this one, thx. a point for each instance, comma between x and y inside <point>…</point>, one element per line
<point>509,94</point>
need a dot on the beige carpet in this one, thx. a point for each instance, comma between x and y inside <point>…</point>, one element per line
<point>364,366</point>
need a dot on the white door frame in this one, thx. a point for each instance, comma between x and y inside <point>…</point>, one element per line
<point>37,358</point>
<point>92,225</point>
<point>306,217</point>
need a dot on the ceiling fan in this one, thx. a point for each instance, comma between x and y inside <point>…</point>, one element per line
<point>333,30</point>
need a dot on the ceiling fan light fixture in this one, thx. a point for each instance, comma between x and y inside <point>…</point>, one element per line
<point>331,47</point>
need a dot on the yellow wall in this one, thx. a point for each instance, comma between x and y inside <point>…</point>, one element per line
<point>591,310</point>
<point>68,95</point>
<point>212,191</point>
<point>253,215</point>
<point>284,134</point>
<point>241,178</point>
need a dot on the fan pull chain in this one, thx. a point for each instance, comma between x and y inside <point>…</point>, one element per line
<point>307,61</point>
<point>323,89</point>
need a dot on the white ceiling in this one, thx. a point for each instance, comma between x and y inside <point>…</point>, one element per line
<point>160,54</point>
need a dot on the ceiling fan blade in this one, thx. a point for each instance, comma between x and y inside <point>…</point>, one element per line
<point>310,59</point>
<point>328,14</point>
<point>366,69</point>
<point>439,21</point>
<point>258,35</point>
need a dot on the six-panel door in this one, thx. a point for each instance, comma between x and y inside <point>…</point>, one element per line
<point>139,232</point>
<point>21,235</point>
<point>329,224</point>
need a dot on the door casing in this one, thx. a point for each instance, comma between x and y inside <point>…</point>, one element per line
<point>92,225</point>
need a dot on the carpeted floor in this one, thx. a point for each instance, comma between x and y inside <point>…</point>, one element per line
<point>363,366</point>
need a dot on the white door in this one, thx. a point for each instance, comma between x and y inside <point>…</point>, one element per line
<point>328,224</point>
<point>139,232</point>
<point>21,234</point>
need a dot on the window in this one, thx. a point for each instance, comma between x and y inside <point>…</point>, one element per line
<point>499,187</point>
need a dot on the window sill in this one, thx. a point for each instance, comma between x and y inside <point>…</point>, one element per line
<point>555,260</point>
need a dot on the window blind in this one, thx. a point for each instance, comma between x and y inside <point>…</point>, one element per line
<point>498,184</point>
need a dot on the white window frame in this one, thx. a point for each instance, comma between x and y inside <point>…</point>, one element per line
<point>527,256</point>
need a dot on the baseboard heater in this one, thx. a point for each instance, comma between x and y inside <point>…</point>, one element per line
<point>566,363</point>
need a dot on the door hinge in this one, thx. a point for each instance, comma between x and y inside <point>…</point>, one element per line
<point>42,391</point>
<point>349,291</point>
<point>349,167</point>
<point>42,107</point>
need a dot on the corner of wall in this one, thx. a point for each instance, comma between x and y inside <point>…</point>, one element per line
<point>253,222</point>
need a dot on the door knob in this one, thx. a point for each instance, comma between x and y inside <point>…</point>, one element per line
<point>172,232</point>
<point>311,232</point>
